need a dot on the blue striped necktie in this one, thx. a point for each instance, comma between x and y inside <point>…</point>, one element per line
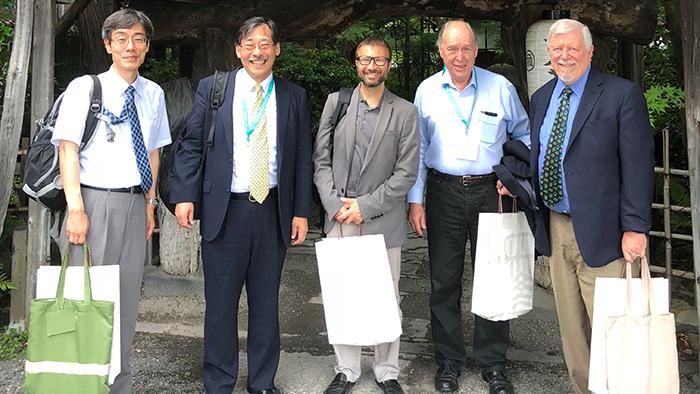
<point>129,113</point>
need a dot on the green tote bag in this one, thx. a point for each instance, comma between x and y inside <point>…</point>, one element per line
<point>70,341</point>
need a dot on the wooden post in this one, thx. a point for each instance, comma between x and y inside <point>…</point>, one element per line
<point>13,106</point>
<point>19,302</point>
<point>630,63</point>
<point>39,242</point>
<point>690,26</point>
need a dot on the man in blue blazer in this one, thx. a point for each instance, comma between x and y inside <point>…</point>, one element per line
<point>593,168</point>
<point>255,200</point>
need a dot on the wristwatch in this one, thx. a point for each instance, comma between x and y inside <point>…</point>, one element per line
<point>152,201</point>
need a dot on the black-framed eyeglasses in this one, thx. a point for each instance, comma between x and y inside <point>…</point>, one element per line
<point>378,60</point>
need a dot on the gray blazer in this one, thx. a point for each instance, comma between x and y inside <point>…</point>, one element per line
<point>389,169</point>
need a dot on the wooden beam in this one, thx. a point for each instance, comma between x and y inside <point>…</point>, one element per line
<point>43,49</point>
<point>19,302</point>
<point>71,16</point>
<point>630,63</point>
<point>13,106</point>
<point>690,26</point>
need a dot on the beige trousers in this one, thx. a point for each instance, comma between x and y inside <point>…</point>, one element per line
<point>573,282</point>
<point>386,355</point>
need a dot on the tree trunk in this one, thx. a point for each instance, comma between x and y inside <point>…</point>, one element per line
<point>93,57</point>
<point>179,248</point>
<point>215,53</point>
<point>13,105</point>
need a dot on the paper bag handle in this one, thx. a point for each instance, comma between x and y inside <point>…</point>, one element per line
<point>500,204</point>
<point>87,289</point>
<point>648,302</point>
<point>341,229</point>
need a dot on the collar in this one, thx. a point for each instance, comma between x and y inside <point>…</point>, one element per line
<point>116,85</point>
<point>446,79</point>
<point>379,105</point>
<point>577,87</point>
<point>247,83</point>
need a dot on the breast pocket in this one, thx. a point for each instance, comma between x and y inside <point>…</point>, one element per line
<point>490,128</point>
<point>148,119</point>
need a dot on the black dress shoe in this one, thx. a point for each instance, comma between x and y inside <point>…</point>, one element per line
<point>498,382</point>
<point>273,390</point>
<point>390,386</point>
<point>447,378</point>
<point>339,385</point>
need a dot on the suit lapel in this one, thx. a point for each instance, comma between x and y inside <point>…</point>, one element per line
<point>538,119</point>
<point>351,125</point>
<point>282,98</point>
<point>380,128</point>
<point>591,94</point>
<point>225,113</point>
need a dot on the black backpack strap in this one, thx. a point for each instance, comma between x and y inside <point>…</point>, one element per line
<point>216,99</point>
<point>341,108</point>
<point>94,111</point>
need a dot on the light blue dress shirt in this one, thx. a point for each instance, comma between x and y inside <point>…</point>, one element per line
<point>497,114</point>
<point>574,100</point>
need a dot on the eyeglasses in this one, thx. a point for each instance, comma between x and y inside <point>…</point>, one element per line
<point>378,60</point>
<point>138,41</point>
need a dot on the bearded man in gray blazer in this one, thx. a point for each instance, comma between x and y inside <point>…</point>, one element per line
<point>363,178</point>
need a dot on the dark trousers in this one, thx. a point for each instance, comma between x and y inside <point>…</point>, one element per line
<point>452,214</point>
<point>249,250</point>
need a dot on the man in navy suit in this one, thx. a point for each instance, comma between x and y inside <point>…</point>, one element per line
<point>593,169</point>
<point>255,200</point>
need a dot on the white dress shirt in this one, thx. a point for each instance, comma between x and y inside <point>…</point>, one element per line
<point>108,160</point>
<point>245,92</point>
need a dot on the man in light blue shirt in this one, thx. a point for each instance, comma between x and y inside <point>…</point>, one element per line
<point>466,114</point>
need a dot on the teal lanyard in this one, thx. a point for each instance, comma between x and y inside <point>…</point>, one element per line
<point>466,121</point>
<point>261,111</point>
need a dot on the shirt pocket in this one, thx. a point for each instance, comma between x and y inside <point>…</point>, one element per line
<point>490,128</point>
<point>148,119</point>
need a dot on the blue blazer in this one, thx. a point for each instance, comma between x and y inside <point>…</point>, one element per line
<point>294,167</point>
<point>609,166</point>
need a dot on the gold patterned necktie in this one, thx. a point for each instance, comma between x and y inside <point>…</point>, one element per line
<point>259,156</point>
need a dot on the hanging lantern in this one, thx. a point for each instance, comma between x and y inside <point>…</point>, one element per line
<point>539,70</point>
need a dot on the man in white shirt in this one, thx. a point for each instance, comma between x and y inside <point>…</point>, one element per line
<point>110,184</point>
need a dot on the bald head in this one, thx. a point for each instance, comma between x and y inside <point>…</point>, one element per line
<point>457,24</point>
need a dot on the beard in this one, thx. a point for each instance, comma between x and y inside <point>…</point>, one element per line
<point>381,77</point>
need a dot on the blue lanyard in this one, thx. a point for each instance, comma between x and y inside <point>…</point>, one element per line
<point>261,111</point>
<point>468,121</point>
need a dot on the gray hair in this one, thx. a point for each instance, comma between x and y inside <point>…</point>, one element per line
<point>450,23</point>
<point>125,19</point>
<point>252,23</point>
<point>563,26</point>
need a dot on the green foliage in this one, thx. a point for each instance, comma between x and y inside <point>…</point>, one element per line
<point>319,71</point>
<point>11,222</point>
<point>660,55</point>
<point>5,283</point>
<point>13,344</point>
<point>161,70</point>
<point>680,195</point>
<point>664,102</point>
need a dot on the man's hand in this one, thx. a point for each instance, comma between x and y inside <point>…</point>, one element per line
<point>300,226</point>
<point>502,190</point>
<point>351,214</point>
<point>150,220</point>
<point>416,216</point>
<point>634,245</point>
<point>184,212</point>
<point>77,226</point>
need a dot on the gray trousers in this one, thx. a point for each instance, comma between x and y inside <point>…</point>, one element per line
<point>386,355</point>
<point>117,235</point>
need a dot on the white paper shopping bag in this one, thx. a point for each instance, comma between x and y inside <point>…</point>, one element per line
<point>358,293</point>
<point>504,267</point>
<point>613,328</point>
<point>105,287</point>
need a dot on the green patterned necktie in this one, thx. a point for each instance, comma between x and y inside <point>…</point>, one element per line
<point>550,180</point>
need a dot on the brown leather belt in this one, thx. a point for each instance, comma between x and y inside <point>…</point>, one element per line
<point>463,180</point>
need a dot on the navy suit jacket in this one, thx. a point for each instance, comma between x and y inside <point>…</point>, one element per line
<point>609,166</point>
<point>294,167</point>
